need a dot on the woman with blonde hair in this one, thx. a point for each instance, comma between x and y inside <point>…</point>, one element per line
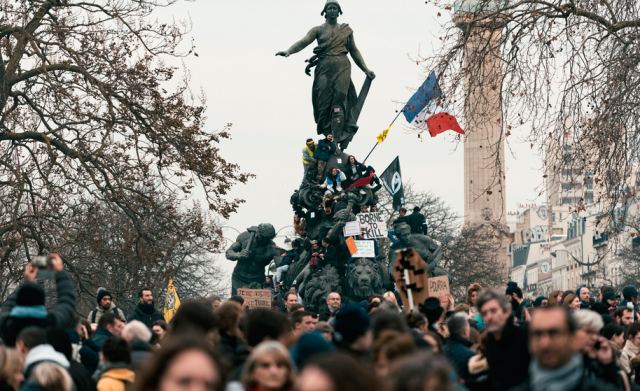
<point>10,369</point>
<point>268,368</point>
<point>50,377</point>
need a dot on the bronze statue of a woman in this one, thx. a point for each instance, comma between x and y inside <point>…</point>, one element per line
<point>335,102</point>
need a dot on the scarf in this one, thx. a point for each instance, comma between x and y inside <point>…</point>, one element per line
<point>561,379</point>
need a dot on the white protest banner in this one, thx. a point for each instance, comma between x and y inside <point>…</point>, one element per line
<point>351,228</point>
<point>366,249</point>
<point>372,225</point>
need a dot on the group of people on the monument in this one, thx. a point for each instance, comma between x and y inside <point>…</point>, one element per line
<point>490,341</point>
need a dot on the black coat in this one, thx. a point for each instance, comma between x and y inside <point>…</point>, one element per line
<point>324,150</point>
<point>416,221</point>
<point>61,316</point>
<point>508,357</point>
<point>458,351</point>
<point>145,313</point>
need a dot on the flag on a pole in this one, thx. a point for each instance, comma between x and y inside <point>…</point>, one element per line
<point>382,136</point>
<point>427,106</point>
<point>392,181</point>
<point>171,301</point>
<point>428,91</point>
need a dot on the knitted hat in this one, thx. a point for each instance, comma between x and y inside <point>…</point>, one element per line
<point>310,345</point>
<point>629,291</point>
<point>432,309</point>
<point>610,295</point>
<point>102,292</point>
<point>30,295</point>
<point>351,322</point>
<point>512,287</point>
<point>538,301</point>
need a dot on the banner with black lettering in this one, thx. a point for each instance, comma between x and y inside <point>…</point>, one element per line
<point>392,181</point>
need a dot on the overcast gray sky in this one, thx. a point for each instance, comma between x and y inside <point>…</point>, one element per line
<point>268,98</point>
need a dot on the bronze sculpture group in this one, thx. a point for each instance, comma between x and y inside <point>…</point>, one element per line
<point>324,263</point>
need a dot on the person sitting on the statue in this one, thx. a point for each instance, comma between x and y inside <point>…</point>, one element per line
<point>308,155</point>
<point>353,170</point>
<point>299,225</point>
<point>333,181</point>
<point>323,152</point>
<point>290,257</point>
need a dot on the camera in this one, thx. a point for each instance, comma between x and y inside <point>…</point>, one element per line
<point>41,261</point>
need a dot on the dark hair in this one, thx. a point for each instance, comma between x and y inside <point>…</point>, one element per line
<point>412,372</point>
<point>415,319</point>
<point>457,323</point>
<point>193,317</point>
<point>286,296</point>
<point>620,311</point>
<point>385,320</point>
<point>87,326</point>
<point>296,317</point>
<point>229,315</point>
<point>296,308</point>
<point>345,372</point>
<point>633,330</point>
<point>569,318</point>
<point>32,336</point>
<point>108,318</point>
<point>611,329</point>
<point>238,299</point>
<point>142,290</point>
<point>163,325</point>
<point>491,294</point>
<point>393,345</point>
<point>152,373</point>
<point>116,349</point>
<point>265,324</point>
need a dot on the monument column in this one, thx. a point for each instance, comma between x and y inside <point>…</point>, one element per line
<point>484,174</point>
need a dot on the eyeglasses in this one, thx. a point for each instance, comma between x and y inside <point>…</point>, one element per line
<point>551,333</point>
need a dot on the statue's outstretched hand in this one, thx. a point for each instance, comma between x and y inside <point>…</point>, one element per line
<point>283,54</point>
<point>370,75</point>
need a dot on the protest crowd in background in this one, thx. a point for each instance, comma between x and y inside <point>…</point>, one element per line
<point>493,340</point>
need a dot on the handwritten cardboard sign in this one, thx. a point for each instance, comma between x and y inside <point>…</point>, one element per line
<point>438,286</point>
<point>351,228</point>
<point>366,249</point>
<point>256,298</point>
<point>372,224</point>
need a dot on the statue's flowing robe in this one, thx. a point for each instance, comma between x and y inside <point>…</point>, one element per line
<point>334,94</point>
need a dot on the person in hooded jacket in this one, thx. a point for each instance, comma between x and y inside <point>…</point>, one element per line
<point>26,306</point>
<point>116,374</point>
<point>146,311</point>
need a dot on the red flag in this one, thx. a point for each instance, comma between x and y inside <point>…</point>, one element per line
<point>441,122</point>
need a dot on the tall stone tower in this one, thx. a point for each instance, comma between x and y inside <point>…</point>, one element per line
<point>484,174</point>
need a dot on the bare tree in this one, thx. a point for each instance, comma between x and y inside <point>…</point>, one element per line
<point>568,72</point>
<point>470,256</point>
<point>91,115</point>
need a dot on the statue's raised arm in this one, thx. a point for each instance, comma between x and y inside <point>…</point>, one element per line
<point>336,105</point>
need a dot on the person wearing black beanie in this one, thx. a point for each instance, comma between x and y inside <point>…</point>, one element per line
<point>352,332</point>
<point>105,304</point>
<point>26,305</point>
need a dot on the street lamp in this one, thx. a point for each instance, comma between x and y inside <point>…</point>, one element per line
<point>588,264</point>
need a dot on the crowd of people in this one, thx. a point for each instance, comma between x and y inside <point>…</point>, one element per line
<point>492,341</point>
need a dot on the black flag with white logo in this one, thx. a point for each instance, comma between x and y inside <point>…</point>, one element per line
<point>392,181</point>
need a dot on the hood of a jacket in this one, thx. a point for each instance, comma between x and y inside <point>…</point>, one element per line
<point>122,374</point>
<point>44,353</point>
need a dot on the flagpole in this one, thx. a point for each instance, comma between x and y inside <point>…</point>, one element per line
<point>388,127</point>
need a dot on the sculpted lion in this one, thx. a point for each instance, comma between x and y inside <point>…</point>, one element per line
<point>364,277</point>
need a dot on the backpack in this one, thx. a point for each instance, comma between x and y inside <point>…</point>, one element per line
<point>95,312</point>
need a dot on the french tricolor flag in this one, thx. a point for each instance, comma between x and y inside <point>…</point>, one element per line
<point>426,105</point>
